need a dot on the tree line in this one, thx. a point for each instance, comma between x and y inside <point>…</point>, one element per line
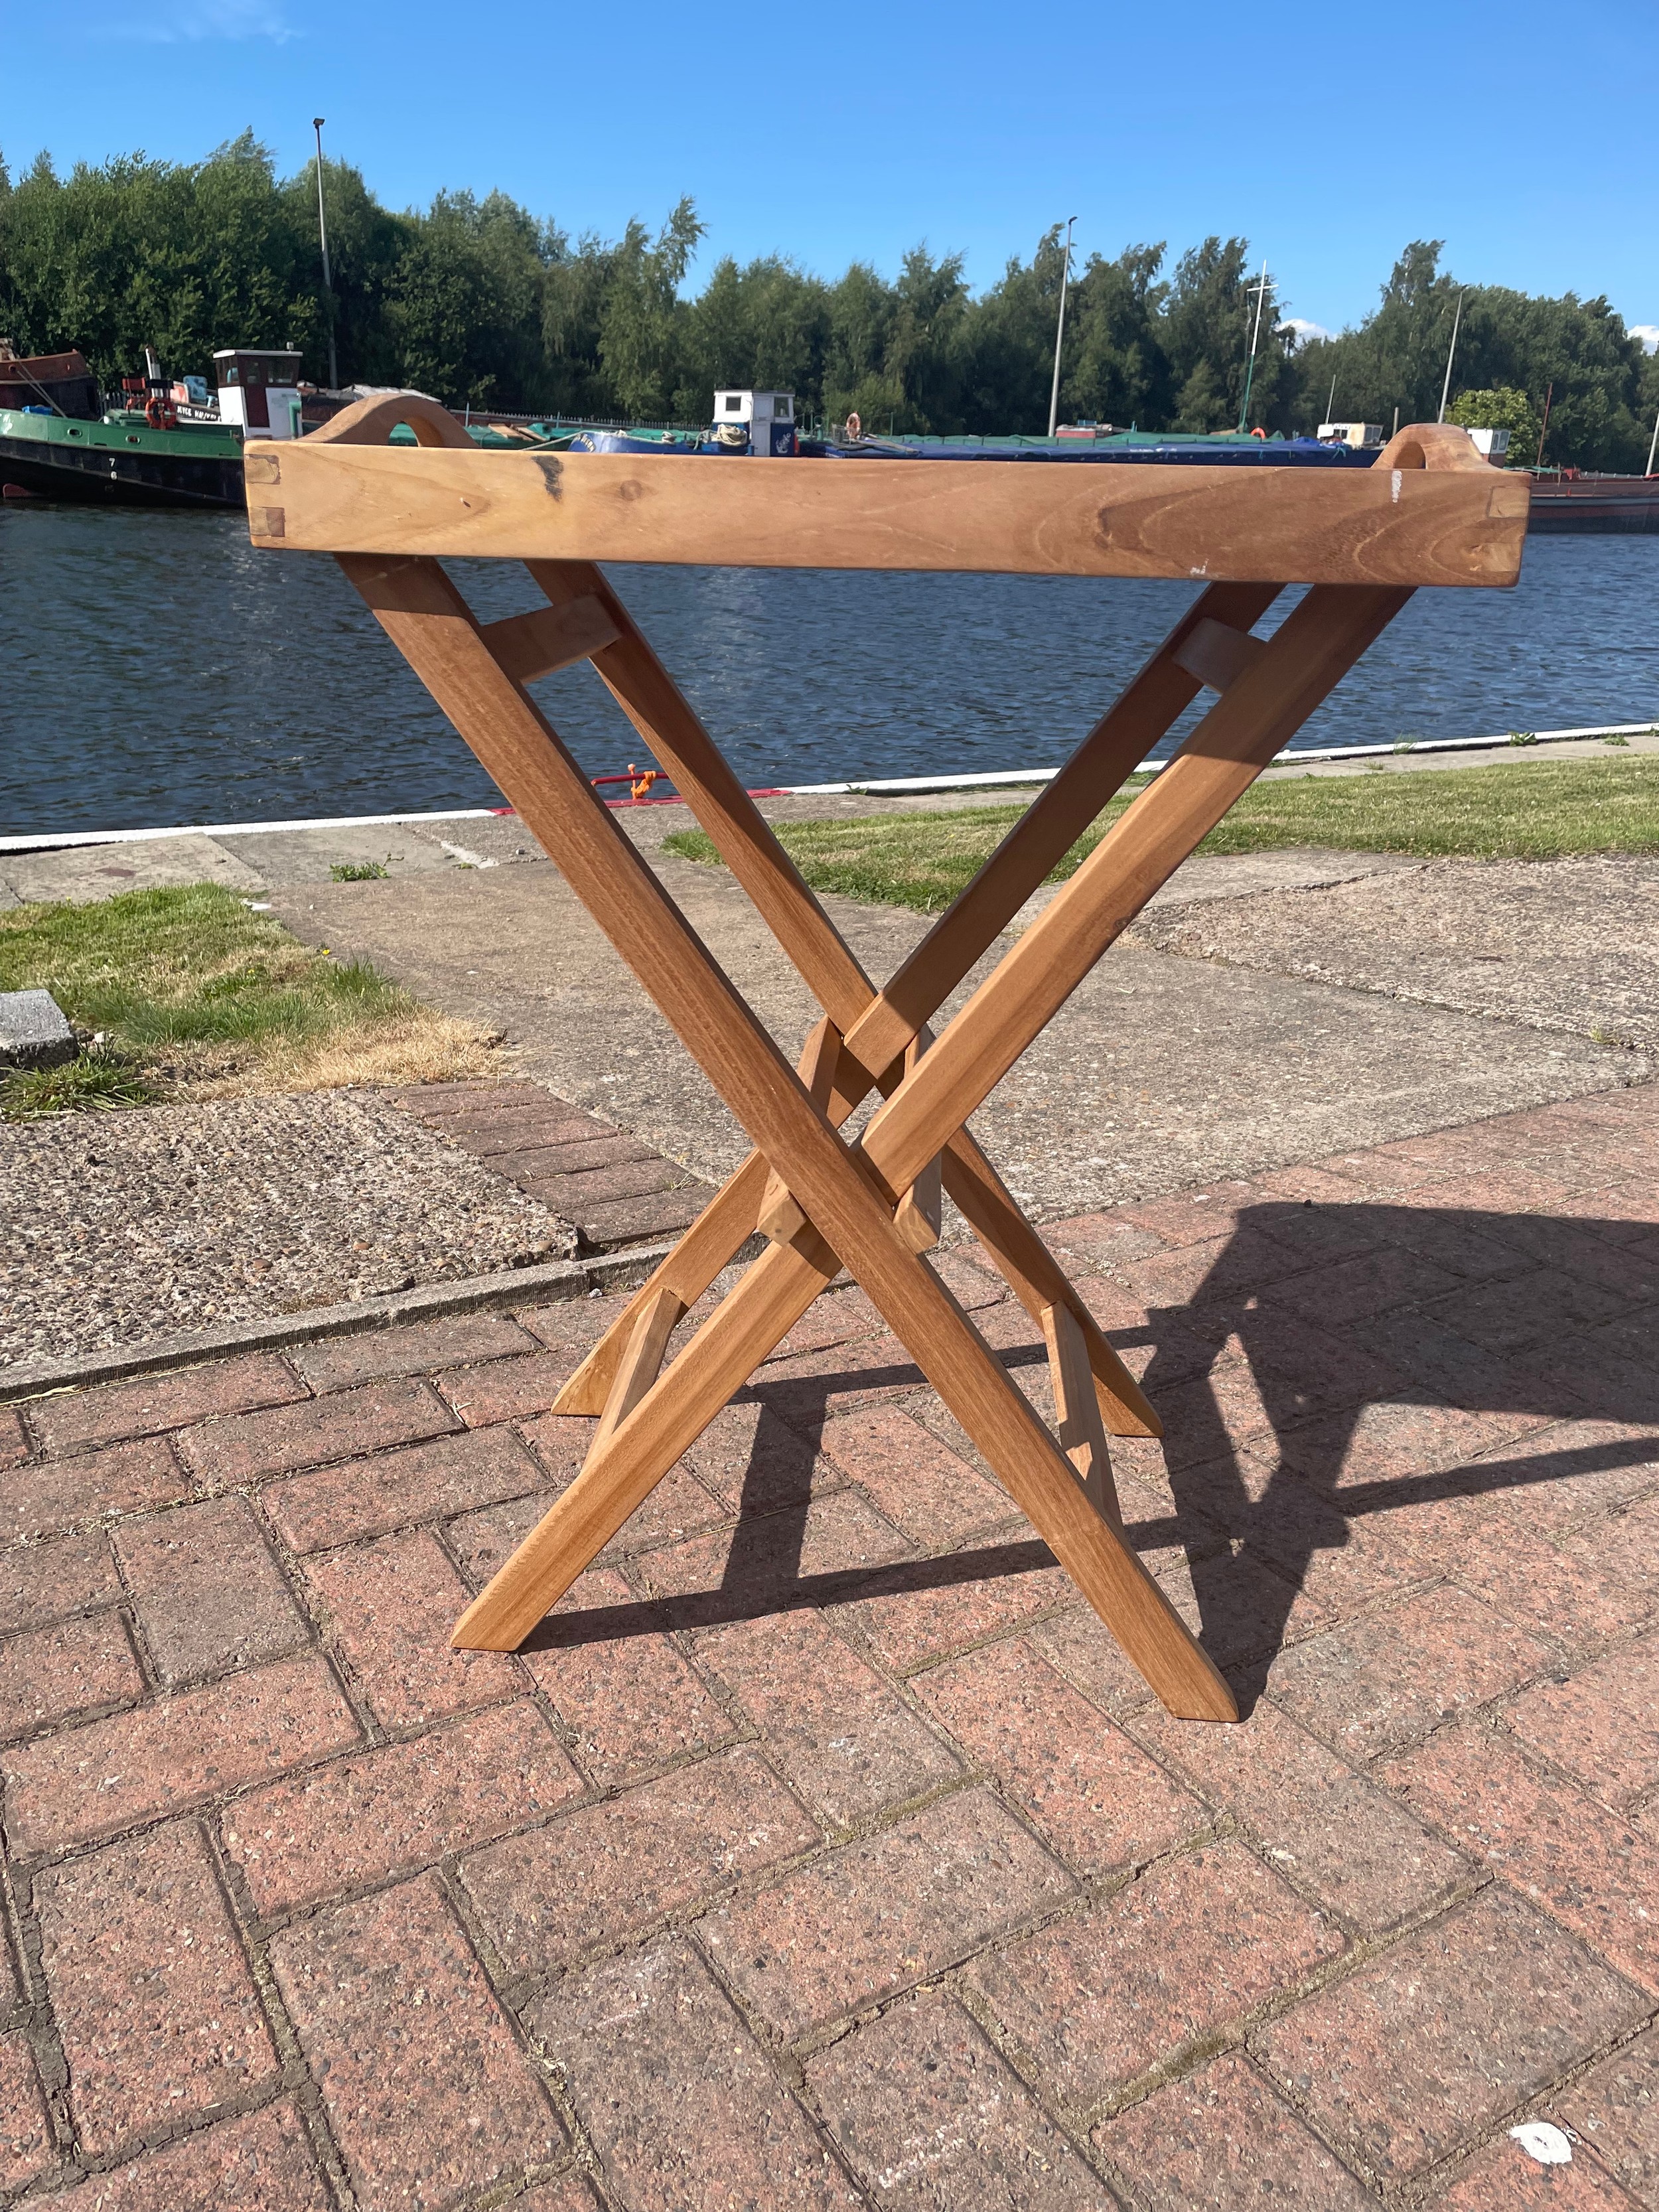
<point>481,303</point>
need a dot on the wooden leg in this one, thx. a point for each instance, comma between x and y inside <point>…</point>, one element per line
<point>849,1194</point>
<point>421,610</point>
<point>781,1215</point>
<point>766,1305</point>
<point>1038,1280</point>
<point>712,1243</point>
<point>1300,665</point>
<point>889,1023</point>
<point>1329,630</point>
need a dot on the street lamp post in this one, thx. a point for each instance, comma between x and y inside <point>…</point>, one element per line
<point>317,122</point>
<point>1060,329</point>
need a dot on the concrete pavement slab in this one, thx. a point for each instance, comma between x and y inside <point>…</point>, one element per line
<point>100,871</point>
<point>1160,1072</point>
<point>1571,945</point>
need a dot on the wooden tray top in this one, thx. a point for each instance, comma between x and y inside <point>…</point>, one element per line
<point>1429,511</point>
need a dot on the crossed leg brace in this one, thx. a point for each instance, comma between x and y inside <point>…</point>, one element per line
<point>867,1204</point>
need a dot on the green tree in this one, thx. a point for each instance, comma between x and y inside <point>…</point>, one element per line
<point>1502,408</point>
<point>764,327</point>
<point>137,251</point>
<point>1578,351</point>
<point>642,317</point>
<point>1208,321</point>
<point>483,303</point>
<point>1116,368</point>
<point>464,302</point>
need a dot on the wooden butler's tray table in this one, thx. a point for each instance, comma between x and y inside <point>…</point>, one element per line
<point>1429,511</point>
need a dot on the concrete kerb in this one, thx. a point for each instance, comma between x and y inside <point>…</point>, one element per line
<point>512,1286</point>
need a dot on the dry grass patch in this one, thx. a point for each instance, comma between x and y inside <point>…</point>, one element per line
<point>189,994</point>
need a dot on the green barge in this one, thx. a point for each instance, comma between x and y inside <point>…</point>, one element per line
<point>119,459</point>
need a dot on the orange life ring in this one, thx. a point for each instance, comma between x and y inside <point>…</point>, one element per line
<point>1257,433</point>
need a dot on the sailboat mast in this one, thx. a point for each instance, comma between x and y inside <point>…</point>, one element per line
<point>1261,290</point>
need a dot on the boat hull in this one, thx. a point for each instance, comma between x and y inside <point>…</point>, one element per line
<point>1591,505</point>
<point>110,466</point>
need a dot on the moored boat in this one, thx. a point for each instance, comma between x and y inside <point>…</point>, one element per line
<point>57,442</point>
<point>119,459</point>
<point>1569,500</point>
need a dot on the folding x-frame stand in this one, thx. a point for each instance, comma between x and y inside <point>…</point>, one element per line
<point>872,1204</point>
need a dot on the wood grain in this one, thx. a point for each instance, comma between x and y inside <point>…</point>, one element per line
<point>920,1212</point>
<point>1038,1279</point>
<point>781,1215</point>
<point>1344,525</point>
<point>708,1245</point>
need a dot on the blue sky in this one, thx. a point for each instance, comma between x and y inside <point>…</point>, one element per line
<point>1328,139</point>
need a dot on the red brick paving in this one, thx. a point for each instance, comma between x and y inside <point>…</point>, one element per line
<point>424,2081</point>
<point>358,1820</point>
<point>108,1775</point>
<point>368,1496</point>
<point>207,1591</point>
<point>1505,2178</point>
<point>615,1190</point>
<point>677,2097</point>
<point>1224,2138</point>
<point>1601,1725</point>
<point>1185,1956</point>
<point>417,1348</point>
<point>262,2158</point>
<point>43,1499</point>
<point>610,1868</point>
<point>1423,2050</point>
<point>1353,1845</point>
<point>71,1421</point>
<point>159,2013</point>
<point>26,2138</point>
<point>890,1910</point>
<point>387,1607</point>
<point>51,1673</point>
<point>928,2115</point>
<point>822,1849</point>
<point>1092,1792</point>
<point>1614,2108</point>
<point>1575,1858</point>
<point>844,1737</point>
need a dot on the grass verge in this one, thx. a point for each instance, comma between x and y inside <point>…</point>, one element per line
<point>1544,811</point>
<point>187,993</point>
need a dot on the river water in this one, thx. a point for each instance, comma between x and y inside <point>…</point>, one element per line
<point>156,670</point>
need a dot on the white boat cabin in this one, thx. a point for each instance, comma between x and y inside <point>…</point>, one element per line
<point>259,390</point>
<point>754,407</point>
<point>765,421</point>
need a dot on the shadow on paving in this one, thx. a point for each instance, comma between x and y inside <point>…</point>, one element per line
<point>1423,1411</point>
